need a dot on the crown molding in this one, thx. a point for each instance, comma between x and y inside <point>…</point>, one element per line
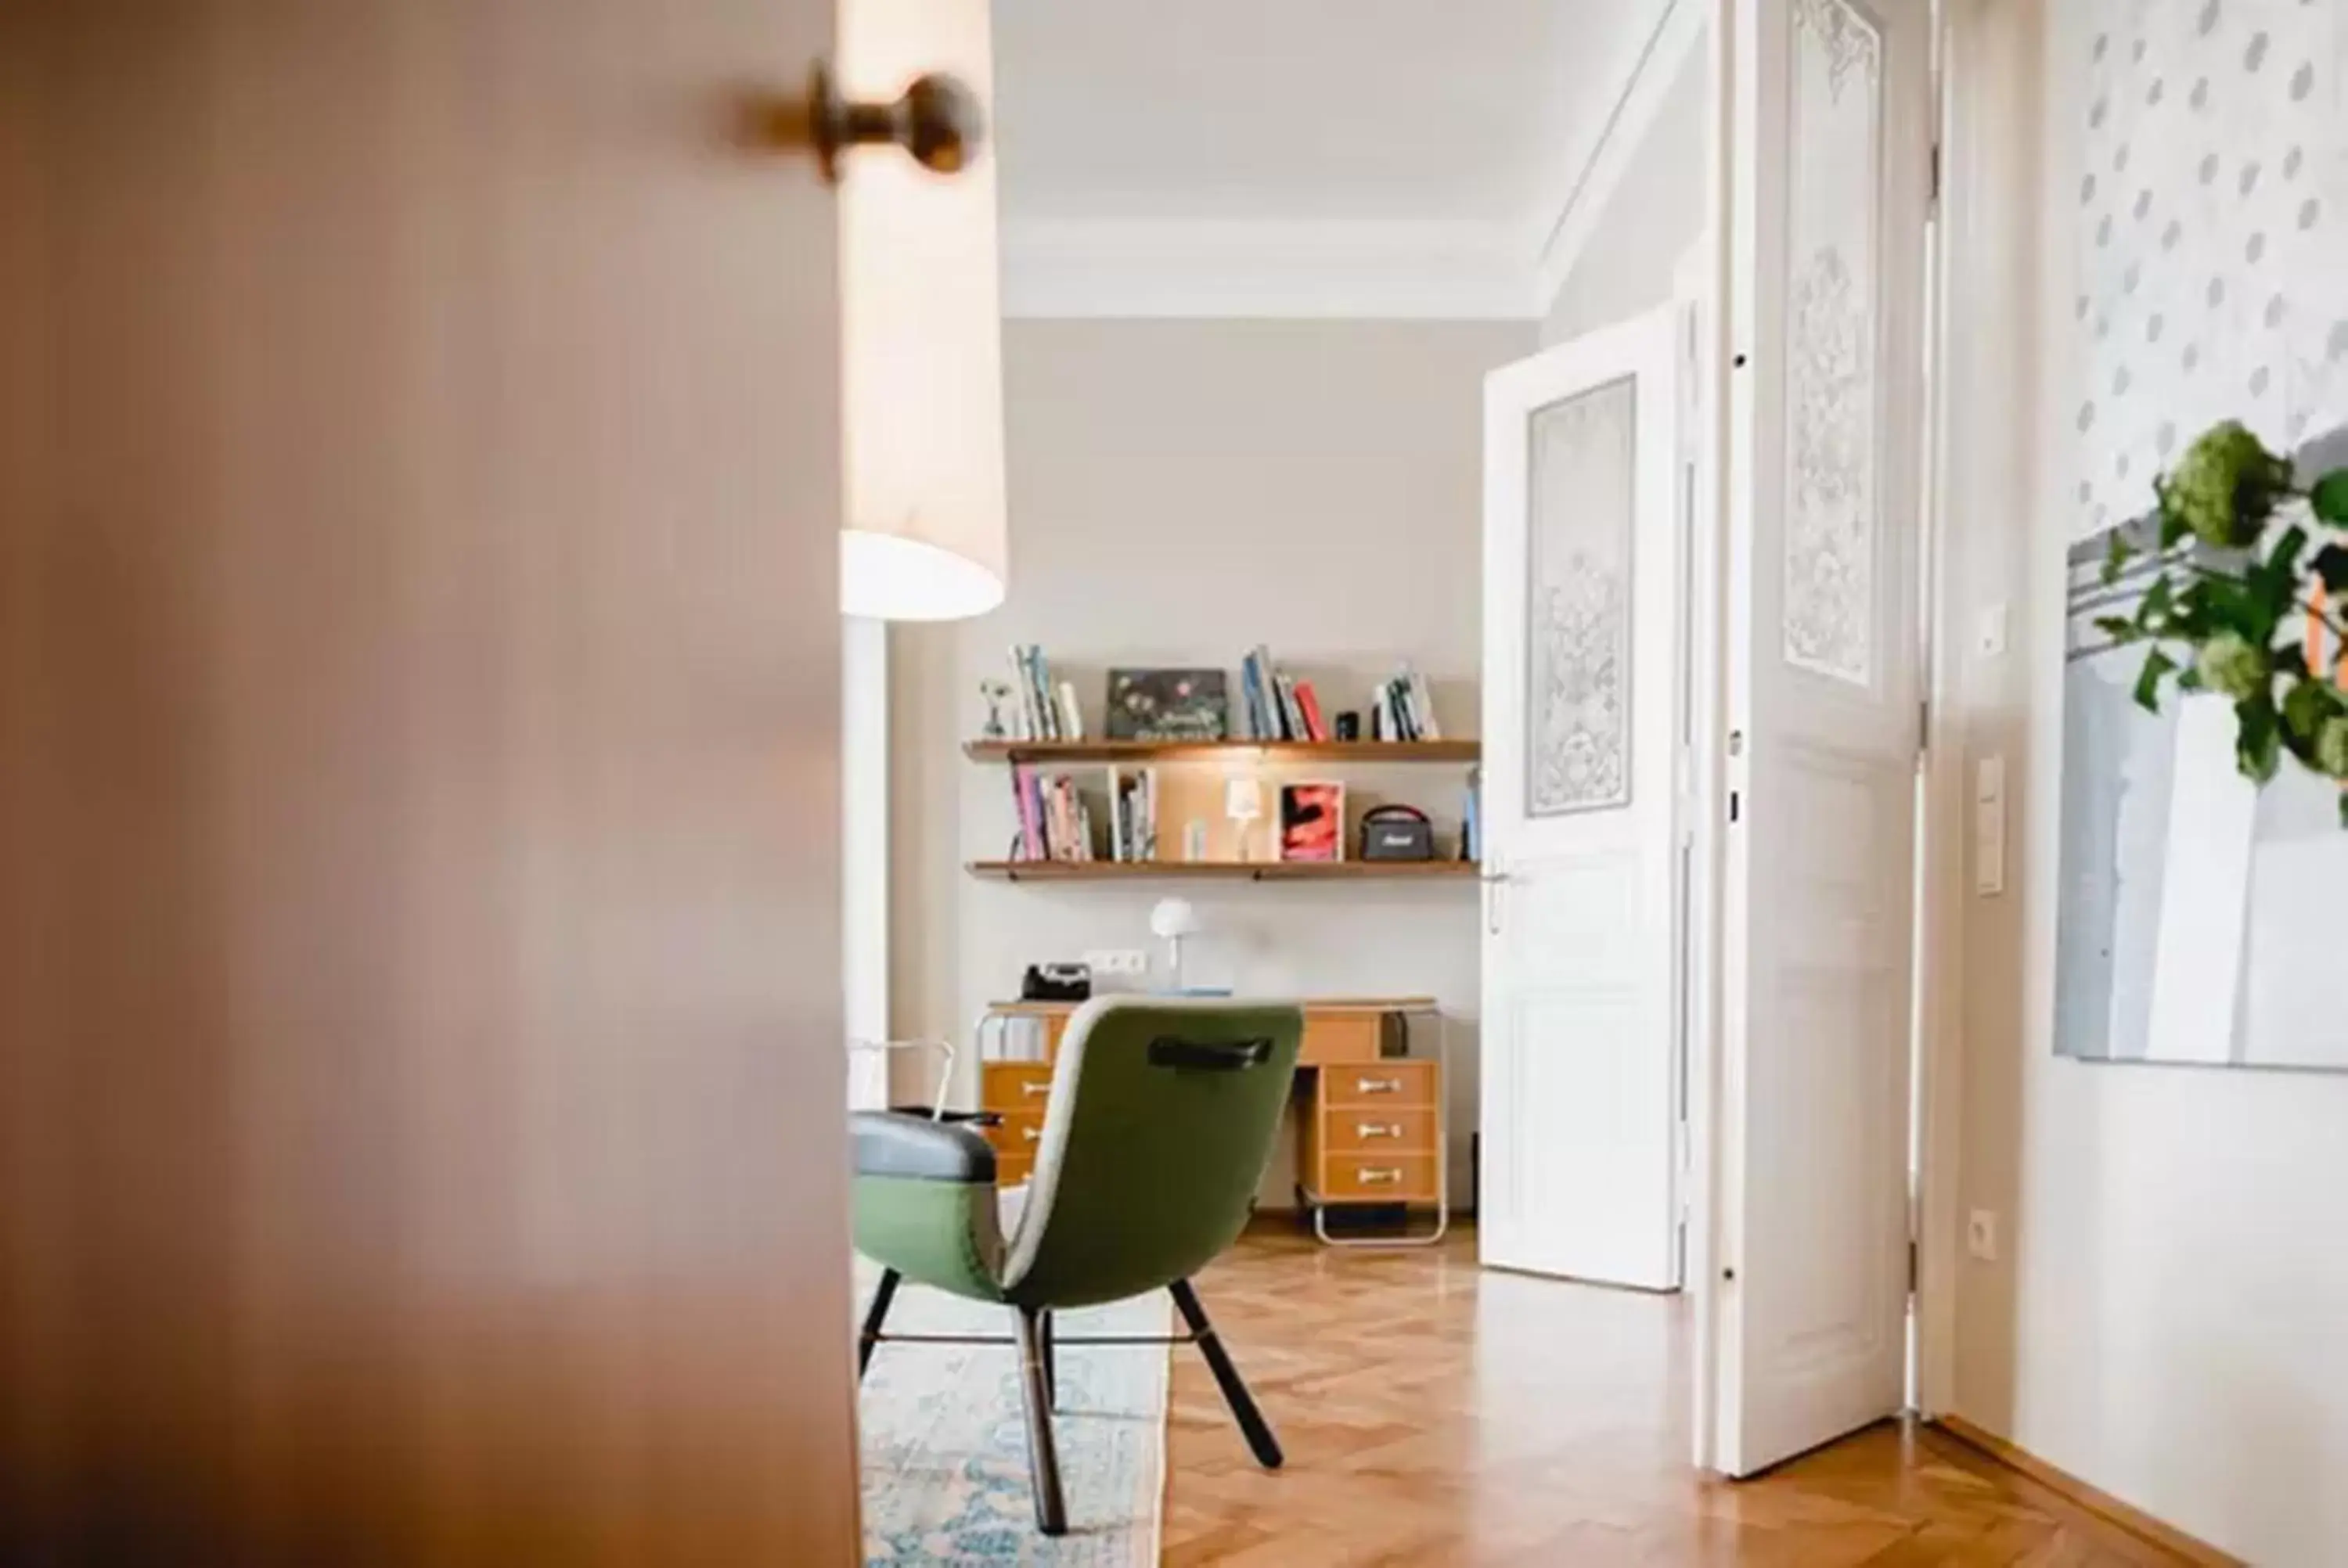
<point>1579,195</point>
<point>1357,269</point>
<point>1401,268</point>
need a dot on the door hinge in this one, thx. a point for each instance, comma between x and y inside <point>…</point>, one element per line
<point>1923,726</point>
<point>1734,805</point>
<point>1912,1266</point>
<point>1936,178</point>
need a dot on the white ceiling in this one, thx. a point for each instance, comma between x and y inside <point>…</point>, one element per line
<point>1289,128</point>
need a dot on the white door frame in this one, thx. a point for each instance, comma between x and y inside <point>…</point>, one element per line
<point>1983,140</point>
<point>1988,81</point>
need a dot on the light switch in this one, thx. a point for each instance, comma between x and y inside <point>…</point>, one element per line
<point>1989,638</point>
<point>1988,826</point>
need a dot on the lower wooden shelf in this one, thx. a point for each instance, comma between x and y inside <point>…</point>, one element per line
<point>1224,870</point>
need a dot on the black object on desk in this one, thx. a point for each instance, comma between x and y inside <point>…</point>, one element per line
<point>1057,983</point>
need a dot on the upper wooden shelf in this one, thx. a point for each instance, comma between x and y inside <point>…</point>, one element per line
<point>1214,751</point>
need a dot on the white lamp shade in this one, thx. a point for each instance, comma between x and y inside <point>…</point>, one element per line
<point>926,534</point>
<point>1173,918</point>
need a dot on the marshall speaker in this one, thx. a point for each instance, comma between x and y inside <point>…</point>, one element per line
<point>1397,832</point>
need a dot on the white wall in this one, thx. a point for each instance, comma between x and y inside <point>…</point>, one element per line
<point>2168,1318</point>
<point>1180,491</point>
<point>1650,220</point>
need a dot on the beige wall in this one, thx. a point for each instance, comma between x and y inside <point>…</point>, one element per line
<point>2169,1317</point>
<point>1180,491</point>
<point>1652,219</point>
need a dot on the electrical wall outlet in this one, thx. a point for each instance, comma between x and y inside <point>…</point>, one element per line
<point>1127,963</point>
<point>1980,1235</point>
<point>1989,639</point>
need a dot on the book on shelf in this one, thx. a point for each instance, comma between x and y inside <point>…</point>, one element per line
<point>1278,706</point>
<point>1045,710</point>
<point>1316,727</point>
<point>1471,823</point>
<point>1133,814</point>
<point>1252,703</point>
<point>1024,796</point>
<point>1422,705</point>
<point>1403,709</point>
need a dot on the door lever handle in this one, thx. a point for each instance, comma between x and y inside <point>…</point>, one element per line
<point>936,120</point>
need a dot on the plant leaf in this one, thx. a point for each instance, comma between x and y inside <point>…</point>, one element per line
<point>2116,557</point>
<point>2258,739</point>
<point>2157,665</point>
<point>2245,607</point>
<point>2330,498</point>
<point>2119,628</point>
<point>2332,566</point>
<point>2308,704</point>
<point>2343,808</point>
<point>2283,559</point>
<point>2188,679</point>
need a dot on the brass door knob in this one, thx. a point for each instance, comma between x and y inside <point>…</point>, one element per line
<point>937,121</point>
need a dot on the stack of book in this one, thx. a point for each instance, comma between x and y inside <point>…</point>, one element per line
<point>1403,709</point>
<point>1133,827</point>
<point>1279,708</point>
<point>1044,709</point>
<point>1054,823</point>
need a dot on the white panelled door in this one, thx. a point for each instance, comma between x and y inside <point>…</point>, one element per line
<point>1829,192</point>
<point>1582,534</point>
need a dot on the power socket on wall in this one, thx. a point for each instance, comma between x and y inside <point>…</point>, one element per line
<point>1124,963</point>
<point>1980,1235</point>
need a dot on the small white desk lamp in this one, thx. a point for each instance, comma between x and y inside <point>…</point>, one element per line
<point>1173,919</point>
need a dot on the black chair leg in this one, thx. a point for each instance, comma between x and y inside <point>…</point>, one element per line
<point>874,1316</point>
<point>1043,1455</point>
<point>1227,1377</point>
<point>1051,1364</point>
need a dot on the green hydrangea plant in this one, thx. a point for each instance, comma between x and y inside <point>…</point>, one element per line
<point>2243,547</point>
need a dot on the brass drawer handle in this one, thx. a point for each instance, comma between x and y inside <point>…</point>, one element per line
<point>1033,1134</point>
<point>1377,1085</point>
<point>1035,1086</point>
<point>1382,1177</point>
<point>1378,1129</point>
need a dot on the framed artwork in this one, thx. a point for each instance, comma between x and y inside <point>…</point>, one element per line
<point>1312,820</point>
<point>1169,705</point>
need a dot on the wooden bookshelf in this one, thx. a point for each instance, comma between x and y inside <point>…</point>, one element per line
<point>1225,870</point>
<point>1363,752</point>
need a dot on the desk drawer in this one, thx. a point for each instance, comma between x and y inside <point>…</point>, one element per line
<point>1011,1086</point>
<point>1377,1179</point>
<point>1382,1084</point>
<point>1377,1129</point>
<point>1340,1037</point>
<point>1018,1135</point>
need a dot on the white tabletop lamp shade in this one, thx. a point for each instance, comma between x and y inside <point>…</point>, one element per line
<point>926,532</point>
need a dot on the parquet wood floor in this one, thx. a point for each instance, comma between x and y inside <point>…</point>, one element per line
<point>1436,1413</point>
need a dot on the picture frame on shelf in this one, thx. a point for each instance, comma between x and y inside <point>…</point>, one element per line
<point>1312,821</point>
<point>1178,705</point>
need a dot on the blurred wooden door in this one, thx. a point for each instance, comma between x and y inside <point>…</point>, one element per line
<point>419,1093</point>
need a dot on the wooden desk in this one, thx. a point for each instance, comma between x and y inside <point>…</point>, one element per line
<point>1371,1125</point>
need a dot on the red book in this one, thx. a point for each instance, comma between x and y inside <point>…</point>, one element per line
<point>1314,730</point>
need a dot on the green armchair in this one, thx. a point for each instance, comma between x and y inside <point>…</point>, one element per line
<point>1160,1122</point>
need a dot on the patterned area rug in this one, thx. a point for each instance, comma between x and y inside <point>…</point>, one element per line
<point>945,1449</point>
